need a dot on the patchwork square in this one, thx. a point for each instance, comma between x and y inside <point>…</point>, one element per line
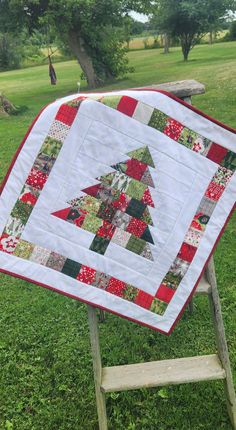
<point>135,245</point>
<point>40,255</point>
<point>99,245</point>
<point>58,131</point>
<point>143,112</point>
<point>66,114</point>
<point>136,208</point>
<point>56,261</point>
<point>51,147</point>
<point>71,268</point>
<point>121,237</point>
<point>158,120</point>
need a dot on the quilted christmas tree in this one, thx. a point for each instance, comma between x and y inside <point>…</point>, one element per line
<point>117,208</point>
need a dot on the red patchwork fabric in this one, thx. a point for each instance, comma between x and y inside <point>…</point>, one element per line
<point>8,243</point>
<point>164,293</point>
<point>122,202</point>
<point>214,191</point>
<point>79,221</point>
<point>217,153</point>
<point>144,299</point>
<point>187,252</point>
<point>173,129</point>
<point>106,230</point>
<point>29,198</point>
<point>136,227</point>
<point>147,198</point>
<point>127,105</point>
<point>37,179</point>
<point>86,275</point>
<point>93,190</point>
<point>135,169</point>
<point>66,114</point>
<point>116,287</point>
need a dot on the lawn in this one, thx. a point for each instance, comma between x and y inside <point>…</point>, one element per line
<point>46,379</point>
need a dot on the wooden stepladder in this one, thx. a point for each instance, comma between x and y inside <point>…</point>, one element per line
<point>171,371</point>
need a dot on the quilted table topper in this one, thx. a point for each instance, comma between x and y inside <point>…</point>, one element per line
<point>118,199</point>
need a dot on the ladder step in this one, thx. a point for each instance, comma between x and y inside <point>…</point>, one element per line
<point>203,287</point>
<point>159,373</point>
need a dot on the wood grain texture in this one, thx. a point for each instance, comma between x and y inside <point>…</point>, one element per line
<point>159,373</point>
<point>181,89</point>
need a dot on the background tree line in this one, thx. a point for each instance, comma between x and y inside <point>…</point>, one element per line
<point>95,31</point>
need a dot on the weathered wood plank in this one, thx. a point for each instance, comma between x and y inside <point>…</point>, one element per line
<point>97,367</point>
<point>159,373</point>
<point>181,89</point>
<point>203,287</point>
<point>221,342</point>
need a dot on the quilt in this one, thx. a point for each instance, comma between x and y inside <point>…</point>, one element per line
<point>117,200</point>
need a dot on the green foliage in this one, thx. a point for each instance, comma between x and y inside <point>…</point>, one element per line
<point>82,26</point>
<point>189,20</point>
<point>232,31</point>
<point>10,53</point>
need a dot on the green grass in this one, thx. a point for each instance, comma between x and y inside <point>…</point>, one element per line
<point>46,379</point>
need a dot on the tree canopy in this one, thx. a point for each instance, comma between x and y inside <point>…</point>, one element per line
<point>189,20</point>
<point>91,29</point>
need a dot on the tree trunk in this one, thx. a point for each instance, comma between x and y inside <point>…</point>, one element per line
<point>77,46</point>
<point>166,43</point>
<point>186,43</point>
<point>211,37</point>
<point>6,107</point>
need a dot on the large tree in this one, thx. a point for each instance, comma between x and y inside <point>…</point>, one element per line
<point>90,29</point>
<point>189,20</point>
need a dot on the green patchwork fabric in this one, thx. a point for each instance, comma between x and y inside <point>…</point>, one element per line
<point>142,154</point>
<point>74,103</point>
<point>135,244</point>
<point>89,204</point>
<point>99,245</point>
<point>230,161</point>
<point>158,120</point>
<point>147,236</point>
<point>136,208</point>
<point>51,147</point>
<point>91,223</point>
<point>130,293</point>
<point>107,179</point>
<point>172,280</point>
<point>187,137</point>
<point>22,211</point>
<point>111,101</point>
<point>158,307</point>
<point>71,268</point>
<point>136,189</point>
<point>23,249</point>
<point>146,217</point>
<point>106,212</point>
<point>121,167</point>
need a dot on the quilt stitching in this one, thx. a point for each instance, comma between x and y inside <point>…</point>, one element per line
<point>10,241</point>
<point>119,202</point>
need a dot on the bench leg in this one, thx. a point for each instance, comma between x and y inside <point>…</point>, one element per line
<point>221,342</point>
<point>97,367</point>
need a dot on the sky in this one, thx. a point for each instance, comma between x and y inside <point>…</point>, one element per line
<point>139,16</point>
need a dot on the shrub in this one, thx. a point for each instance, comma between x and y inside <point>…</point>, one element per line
<point>10,55</point>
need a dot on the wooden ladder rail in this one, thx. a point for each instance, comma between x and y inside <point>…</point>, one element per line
<point>172,371</point>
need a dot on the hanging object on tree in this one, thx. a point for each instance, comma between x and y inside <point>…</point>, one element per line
<point>52,72</point>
